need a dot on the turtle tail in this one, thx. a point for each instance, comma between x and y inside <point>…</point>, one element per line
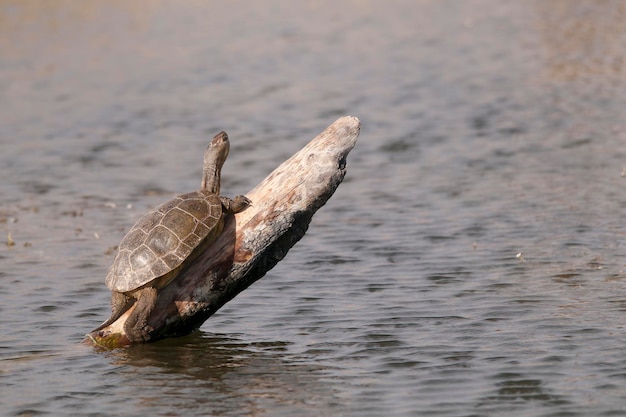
<point>120,302</point>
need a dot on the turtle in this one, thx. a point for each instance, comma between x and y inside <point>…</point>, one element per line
<point>165,240</point>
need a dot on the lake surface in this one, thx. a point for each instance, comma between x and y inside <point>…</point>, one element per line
<point>471,264</point>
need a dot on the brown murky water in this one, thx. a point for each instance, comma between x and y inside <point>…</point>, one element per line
<point>472,263</point>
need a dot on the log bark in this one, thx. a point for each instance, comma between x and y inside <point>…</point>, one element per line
<point>253,241</point>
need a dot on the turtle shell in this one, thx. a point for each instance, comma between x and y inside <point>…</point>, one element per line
<point>164,238</point>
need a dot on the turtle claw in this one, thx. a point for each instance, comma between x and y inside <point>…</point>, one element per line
<point>241,202</point>
<point>139,334</point>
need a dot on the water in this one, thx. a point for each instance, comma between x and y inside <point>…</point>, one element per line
<point>471,264</point>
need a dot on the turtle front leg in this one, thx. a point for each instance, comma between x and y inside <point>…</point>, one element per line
<point>236,205</point>
<point>136,326</point>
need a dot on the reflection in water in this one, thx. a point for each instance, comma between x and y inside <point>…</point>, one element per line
<point>218,374</point>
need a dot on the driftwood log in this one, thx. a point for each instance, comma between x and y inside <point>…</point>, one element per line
<point>252,241</point>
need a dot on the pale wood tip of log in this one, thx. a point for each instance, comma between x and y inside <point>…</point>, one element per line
<point>348,127</point>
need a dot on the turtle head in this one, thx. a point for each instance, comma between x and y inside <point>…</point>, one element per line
<point>214,157</point>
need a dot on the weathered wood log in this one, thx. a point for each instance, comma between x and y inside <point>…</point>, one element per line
<point>252,241</point>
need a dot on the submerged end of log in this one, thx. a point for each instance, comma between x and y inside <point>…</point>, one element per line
<point>252,242</point>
